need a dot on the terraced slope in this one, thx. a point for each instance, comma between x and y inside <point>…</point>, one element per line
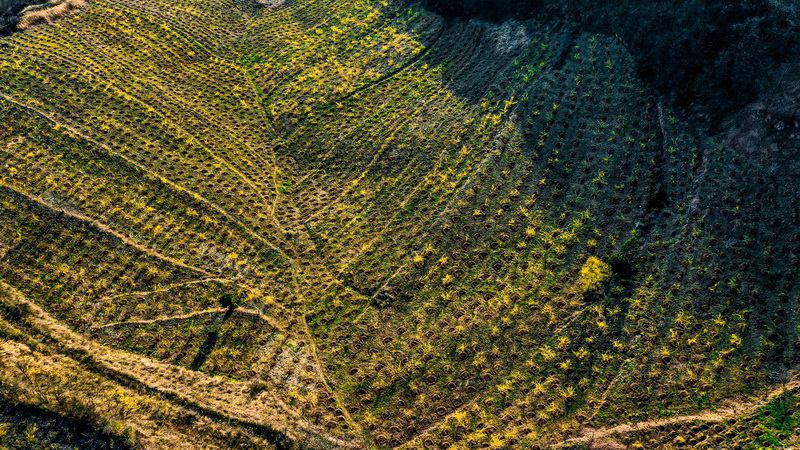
<point>353,223</point>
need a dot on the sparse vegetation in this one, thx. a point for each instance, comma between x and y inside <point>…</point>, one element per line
<point>359,224</point>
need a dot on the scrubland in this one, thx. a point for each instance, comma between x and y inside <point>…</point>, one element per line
<point>358,224</point>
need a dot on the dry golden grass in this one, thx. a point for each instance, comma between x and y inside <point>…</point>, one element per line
<point>50,12</point>
<point>271,3</point>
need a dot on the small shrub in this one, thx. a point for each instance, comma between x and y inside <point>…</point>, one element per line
<point>593,274</point>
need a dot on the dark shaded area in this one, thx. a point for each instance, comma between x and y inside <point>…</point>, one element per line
<point>210,342</point>
<point>658,201</point>
<point>565,48</point>
<point>27,427</point>
<point>9,13</point>
<point>485,9</point>
<point>710,58</point>
<point>205,349</point>
<point>228,300</point>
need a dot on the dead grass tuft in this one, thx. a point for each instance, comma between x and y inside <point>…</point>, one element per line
<point>271,3</point>
<point>49,13</point>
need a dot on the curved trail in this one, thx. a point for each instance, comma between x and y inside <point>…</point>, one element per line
<point>217,398</point>
<point>189,315</point>
<point>730,411</point>
<point>149,172</point>
<point>167,288</point>
<point>104,228</point>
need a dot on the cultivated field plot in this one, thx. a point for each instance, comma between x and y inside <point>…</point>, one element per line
<point>354,224</point>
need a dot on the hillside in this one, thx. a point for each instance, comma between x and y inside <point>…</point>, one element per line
<point>363,224</point>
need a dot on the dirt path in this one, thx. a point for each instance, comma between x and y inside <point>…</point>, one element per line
<point>166,288</point>
<point>104,228</point>
<point>245,311</point>
<point>730,411</point>
<point>161,319</point>
<point>295,272</point>
<point>150,172</point>
<point>218,397</point>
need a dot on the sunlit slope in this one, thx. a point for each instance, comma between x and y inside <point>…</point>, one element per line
<point>366,226</point>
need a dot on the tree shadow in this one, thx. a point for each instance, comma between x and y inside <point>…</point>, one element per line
<point>211,340</point>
